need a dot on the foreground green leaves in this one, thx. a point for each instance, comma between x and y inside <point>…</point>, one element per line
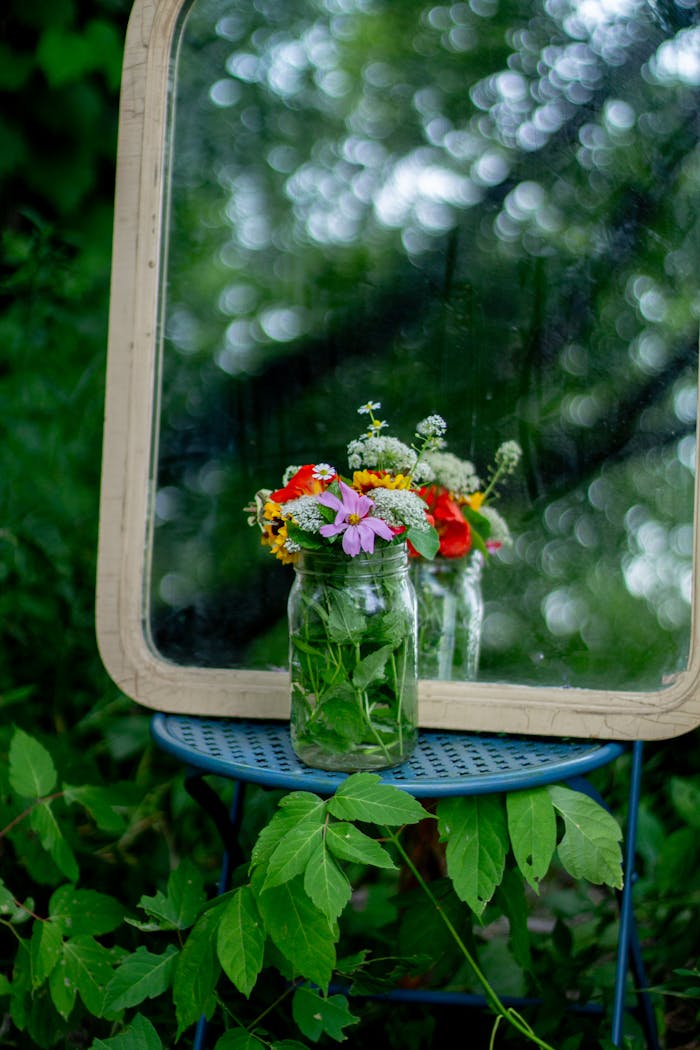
<point>287,915</point>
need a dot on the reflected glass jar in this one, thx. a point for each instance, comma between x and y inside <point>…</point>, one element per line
<point>352,654</point>
<point>450,616</point>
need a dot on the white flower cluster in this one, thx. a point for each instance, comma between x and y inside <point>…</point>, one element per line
<point>400,507</point>
<point>432,427</point>
<point>457,475</point>
<point>305,511</point>
<point>381,453</point>
<point>499,533</point>
<point>508,456</point>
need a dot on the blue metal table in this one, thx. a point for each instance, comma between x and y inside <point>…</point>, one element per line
<point>443,764</point>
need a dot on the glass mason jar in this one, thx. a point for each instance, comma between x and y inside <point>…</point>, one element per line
<point>450,616</point>
<point>352,655</point>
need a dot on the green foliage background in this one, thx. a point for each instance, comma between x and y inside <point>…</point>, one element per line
<point>59,73</point>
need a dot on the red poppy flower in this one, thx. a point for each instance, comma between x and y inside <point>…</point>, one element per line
<point>303,483</point>
<point>452,528</point>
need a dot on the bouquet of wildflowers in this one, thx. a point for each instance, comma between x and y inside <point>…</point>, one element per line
<point>352,609</point>
<point>379,503</point>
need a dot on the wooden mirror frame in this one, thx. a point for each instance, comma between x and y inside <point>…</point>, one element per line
<point>132,404</point>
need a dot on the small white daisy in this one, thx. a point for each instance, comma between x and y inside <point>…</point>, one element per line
<point>368,408</point>
<point>323,472</point>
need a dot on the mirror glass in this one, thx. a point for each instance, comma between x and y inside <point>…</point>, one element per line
<point>485,210</point>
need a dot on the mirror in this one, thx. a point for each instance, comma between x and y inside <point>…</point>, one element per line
<point>482,211</point>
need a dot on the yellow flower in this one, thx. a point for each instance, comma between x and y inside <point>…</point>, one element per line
<point>365,480</point>
<point>474,500</point>
<point>275,536</point>
<point>274,533</point>
<point>272,511</point>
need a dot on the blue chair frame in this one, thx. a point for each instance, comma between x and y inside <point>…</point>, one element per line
<point>444,764</point>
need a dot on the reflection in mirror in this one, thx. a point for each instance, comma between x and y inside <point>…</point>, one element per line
<point>483,210</point>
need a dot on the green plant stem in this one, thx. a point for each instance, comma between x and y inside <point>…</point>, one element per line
<point>25,812</point>
<point>268,1009</point>
<point>511,1016</point>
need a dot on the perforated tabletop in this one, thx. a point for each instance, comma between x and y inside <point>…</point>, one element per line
<point>444,763</point>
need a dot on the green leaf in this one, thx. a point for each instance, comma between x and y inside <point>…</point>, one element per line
<point>43,822</point>
<point>327,886</point>
<point>477,842</point>
<point>64,56</point>
<point>395,625</point>
<point>300,931</point>
<point>179,907</point>
<point>532,827</point>
<point>99,804</point>
<point>590,848</point>
<point>8,905</point>
<point>32,772</point>
<point>197,971</point>
<point>426,541</point>
<point>140,976</point>
<point>346,624</point>
<point>363,797</point>
<point>342,712</point>
<point>240,941</point>
<point>21,991</point>
<point>510,895</point>
<point>371,668</point>
<point>678,860</point>
<point>140,1035</point>
<point>239,1039</point>
<point>45,950</point>
<point>291,855</point>
<point>685,796</point>
<point>349,843</point>
<point>63,990</point>
<point>305,647</point>
<point>77,912</point>
<point>318,1015</point>
<point>293,809</point>
<point>86,967</point>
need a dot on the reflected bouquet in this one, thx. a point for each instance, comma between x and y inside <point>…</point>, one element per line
<point>450,603</point>
<point>379,503</point>
<point>458,504</point>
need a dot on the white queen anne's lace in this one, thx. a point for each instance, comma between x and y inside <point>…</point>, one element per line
<point>305,511</point>
<point>457,475</point>
<point>400,507</point>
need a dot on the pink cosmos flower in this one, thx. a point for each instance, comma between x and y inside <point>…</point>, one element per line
<point>354,521</point>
